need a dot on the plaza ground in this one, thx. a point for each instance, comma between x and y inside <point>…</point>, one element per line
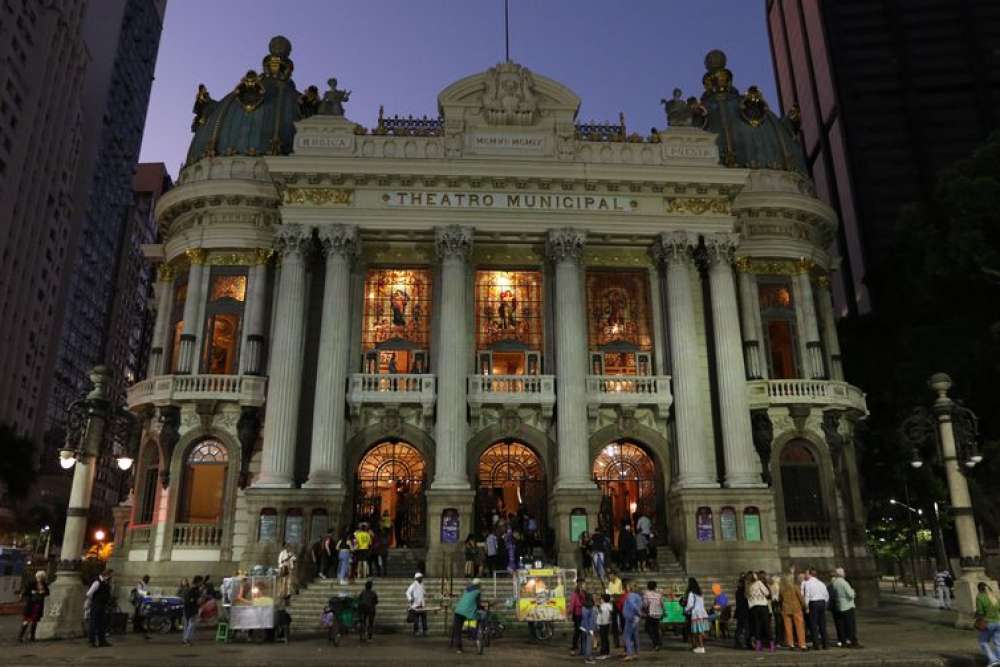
<point>894,634</point>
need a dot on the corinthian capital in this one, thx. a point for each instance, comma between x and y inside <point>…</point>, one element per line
<point>721,247</point>
<point>566,244</point>
<point>675,246</point>
<point>342,240</point>
<point>292,240</point>
<point>453,241</point>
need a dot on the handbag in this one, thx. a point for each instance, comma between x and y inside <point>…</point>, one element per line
<point>411,616</point>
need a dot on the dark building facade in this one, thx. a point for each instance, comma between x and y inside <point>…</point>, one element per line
<point>890,91</point>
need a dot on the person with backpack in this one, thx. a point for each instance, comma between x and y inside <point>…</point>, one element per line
<point>367,601</point>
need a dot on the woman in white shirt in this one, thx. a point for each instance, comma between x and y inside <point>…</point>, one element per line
<point>694,607</point>
<point>759,601</point>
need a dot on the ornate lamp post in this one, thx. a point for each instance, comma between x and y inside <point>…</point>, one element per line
<point>956,430</point>
<point>89,421</point>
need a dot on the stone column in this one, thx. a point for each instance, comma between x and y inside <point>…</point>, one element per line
<point>284,388</point>
<point>161,335</point>
<point>340,245</point>
<point>695,462</point>
<point>753,329</point>
<point>252,358</point>
<point>829,327</point>
<point>192,302</point>
<point>742,464</point>
<point>804,302</point>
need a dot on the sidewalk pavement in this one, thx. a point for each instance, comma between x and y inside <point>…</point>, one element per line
<point>894,635</point>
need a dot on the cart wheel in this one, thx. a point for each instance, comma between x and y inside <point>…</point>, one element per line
<point>543,631</point>
<point>158,623</point>
<point>480,642</point>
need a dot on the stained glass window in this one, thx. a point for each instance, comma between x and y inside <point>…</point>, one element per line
<point>208,451</point>
<point>509,308</point>
<point>509,461</point>
<point>775,295</point>
<point>228,287</point>
<point>221,350</point>
<point>618,321</point>
<point>397,309</point>
<point>778,319</point>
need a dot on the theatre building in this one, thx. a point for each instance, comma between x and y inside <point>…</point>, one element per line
<point>500,308</point>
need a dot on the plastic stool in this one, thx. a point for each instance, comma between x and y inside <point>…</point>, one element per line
<point>222,632</point>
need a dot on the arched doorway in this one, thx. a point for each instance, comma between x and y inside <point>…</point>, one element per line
<point>510,480</point>
<point>802,495</point>
<point>627,477</point>
<point>204,483</point>
<point>390,482</point>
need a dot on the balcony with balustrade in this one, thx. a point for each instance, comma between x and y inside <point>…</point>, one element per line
<point>824,394</point>
<point>392,390</point>
<point>511,392</point>
<point>629,391</point>
<point>172,389</point>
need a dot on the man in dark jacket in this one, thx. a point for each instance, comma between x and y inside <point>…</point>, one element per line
<point>367,602</point>
<point>99,599</point>
<point>192,600</point>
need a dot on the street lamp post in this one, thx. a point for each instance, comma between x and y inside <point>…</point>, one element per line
<point>89,419</point>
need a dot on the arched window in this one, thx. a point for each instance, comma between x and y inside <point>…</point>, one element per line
<point>223,321</point>
<point>204,483</point>
<point>777,312</point>
<point>800,484</point>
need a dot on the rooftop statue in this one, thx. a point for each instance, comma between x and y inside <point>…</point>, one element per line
<point>309,102</point>
<point>753,108</point>
<point>333,100</point>
<point>203,104</point>
<point>678,111</point>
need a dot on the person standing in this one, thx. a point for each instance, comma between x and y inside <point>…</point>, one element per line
<point>604,614</point>
<point>644,525</point>
<point>941,590</point>
<point>33,596</point>
<point>511,545</point>
<point>138,595</point>
<point>471,551</point>
<point>616,590</point>
<point>627,548</point>
<point>286,570</point>
<point>98,601</point>
<point>792,610</point>
<point>815,595</point>
<point>385,527</point>
<point>631,611</point>
<point>759,601</point>
<point>328,555</point>
<point>344,558</point>
<point>367,601</point>
<point>599,548</point>
<point>465,610</point>
<point>987,623</point>
<point>362,544</point>
<point>652,606</point>
<point>640,551</point>
<point>192,600</point>
<point>741,638</point>
<point>844,615</point>
<point>415,596</point>
<point>694,608</point>
<point>491,551</point>
<point>588,624</point>
<point>575,610</point>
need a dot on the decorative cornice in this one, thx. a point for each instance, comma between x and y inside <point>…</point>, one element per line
<point>823,281</point>
<point>232,258</point>
<point>292,240</point>
<point>263,256</point>
<point>453,242</point>
<point>780,267</point>
<point>196,255</point>
<point>317,196</point>
<point>675,246</point>
<point>616,257</point>
<point>499,255</point>
<point>342,240</point>
<point>697,206</point>
<point>743,264</point>
<point>566,244</point>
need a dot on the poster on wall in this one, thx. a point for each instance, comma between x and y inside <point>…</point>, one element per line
<point>268,533</point>
<point>295,525</point>
<point>577,525</point>
<point>703,525</point>
<point>751,524</point>
<point>318,525</point>
<point>727,524</point>
<point>449,526</point>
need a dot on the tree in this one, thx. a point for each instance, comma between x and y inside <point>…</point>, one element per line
<point>936,310</point>
<point>17,469</point>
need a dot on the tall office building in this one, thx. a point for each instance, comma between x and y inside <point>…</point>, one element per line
<point>890,92</point>
<point>43,64</point>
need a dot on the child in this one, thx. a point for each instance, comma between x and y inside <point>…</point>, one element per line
<point>604,625</point>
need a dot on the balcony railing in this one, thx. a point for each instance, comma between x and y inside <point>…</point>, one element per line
<point>629,390</point>
<point>807,532</point>
<point>765,393</point>
<point>197,535</point>
<point>512,391</point>
<point>392,389</point>
<point>140,534</point>
<point>165,389</point>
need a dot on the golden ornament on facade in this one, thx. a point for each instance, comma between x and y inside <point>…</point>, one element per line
<point>317,196</point>
<point>697,206</point>
<point>744,264</point>
<point>196,255</point>
<point>263,255</point>
<point>823,281</point>
<point>233,258</point>
<point>165,273</point>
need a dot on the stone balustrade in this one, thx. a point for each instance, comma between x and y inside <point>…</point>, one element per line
<point>140,534</point>
<point>395,389</point>
<point>197,535</point>
<point>629,390</point>
<point>807,532</point>
<point>821,393</point>
<point>512,391</point>
<point>167,389</point>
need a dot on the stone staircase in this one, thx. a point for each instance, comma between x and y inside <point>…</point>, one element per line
<point>306,608</point>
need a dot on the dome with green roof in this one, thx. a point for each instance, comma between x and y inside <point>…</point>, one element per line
<point>256,118</point>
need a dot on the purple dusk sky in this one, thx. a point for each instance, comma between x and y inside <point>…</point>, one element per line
<point>616,56</point>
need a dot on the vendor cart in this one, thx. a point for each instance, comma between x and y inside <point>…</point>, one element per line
<point>250,602</point>
<point>540,596</point>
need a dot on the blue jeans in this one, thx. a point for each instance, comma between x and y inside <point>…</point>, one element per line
<point>598,557</point>
<point>586,643</point>
<point>631,634</point>
<point>989,642</point>
<point>344,569</point>
<point>189,625</point>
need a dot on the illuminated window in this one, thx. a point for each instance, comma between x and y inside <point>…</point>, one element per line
<point>175,347</point>
<point>223,321</point>
<point>509,321</point>
<point>627,478</point>
<point>223,343</point>
<point>204,483</point>
<point>618,329</point>
<point>510,478</point>
<point>228,287</point>
<point>778,318</point>
<point>395,335</point>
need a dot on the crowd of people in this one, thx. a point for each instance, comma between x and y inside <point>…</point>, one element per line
<point>359,553</point>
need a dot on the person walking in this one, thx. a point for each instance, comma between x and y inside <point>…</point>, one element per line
<point>604,614</point>
<point>575,610</point>
<point>759,601</point>
<point>599,548</point>
<point>466,609</point>
<point>588,626</point>
<point>792,612</point>
<point>136,597</point>
<point>627,548</point>
<point>415,596</point>
<point>616,590</point>
<point>316,558</point>
<point>367,601</point>
<point>640,551</point>
<point>98,601</point>
<point>694,607</point>
<point>631,611</point>
<point>192,601</point>
<point>843,594</point>
<point>33,595</point>
<point>816,595</point>
<point>652,607</point>
<point>941,589</point>
<point>328,555</point>
<point>343,548</point>
<point>987,623</point>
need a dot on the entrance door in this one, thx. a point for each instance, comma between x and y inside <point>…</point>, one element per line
<point>627,478</point>
<point>389,485</point>
<point>511,481</point>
